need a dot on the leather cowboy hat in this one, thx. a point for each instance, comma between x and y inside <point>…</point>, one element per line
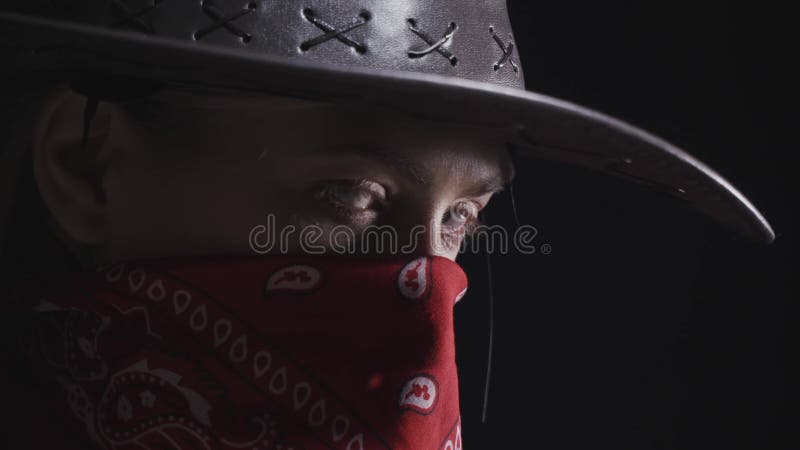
<point>444,60</point>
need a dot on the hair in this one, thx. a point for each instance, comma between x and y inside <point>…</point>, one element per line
<point>30,243</point>
<point>27,242</point>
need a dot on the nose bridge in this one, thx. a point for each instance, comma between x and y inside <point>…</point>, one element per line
<point>420,227</point>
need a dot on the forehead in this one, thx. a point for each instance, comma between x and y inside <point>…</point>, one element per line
<point>305,127</point>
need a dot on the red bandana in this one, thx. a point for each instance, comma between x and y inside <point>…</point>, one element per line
<point>253,353</point>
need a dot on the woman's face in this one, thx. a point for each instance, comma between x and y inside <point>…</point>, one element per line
<point>187,174</point>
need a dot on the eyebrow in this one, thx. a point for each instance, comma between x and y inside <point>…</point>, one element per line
<point>418,172</point>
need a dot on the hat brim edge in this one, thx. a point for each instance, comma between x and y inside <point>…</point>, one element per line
<point>541,125</point>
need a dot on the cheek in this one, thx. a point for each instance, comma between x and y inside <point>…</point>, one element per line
<point>207,205</point>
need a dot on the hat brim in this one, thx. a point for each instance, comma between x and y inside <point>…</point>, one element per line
<point>537,125</point>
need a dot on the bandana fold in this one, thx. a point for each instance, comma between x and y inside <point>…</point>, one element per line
<point>280,352</point>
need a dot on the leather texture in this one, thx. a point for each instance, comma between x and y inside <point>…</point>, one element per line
<point>378,34</point>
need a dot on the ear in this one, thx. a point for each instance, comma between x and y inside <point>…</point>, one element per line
<point>68,173</point>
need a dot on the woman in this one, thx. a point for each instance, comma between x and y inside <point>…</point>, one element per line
<point>201,191</point>
<point>182,338</point>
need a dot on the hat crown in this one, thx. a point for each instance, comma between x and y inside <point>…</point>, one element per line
<point>464,39</point>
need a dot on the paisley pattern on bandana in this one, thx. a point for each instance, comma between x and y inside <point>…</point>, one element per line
<point>251,353</point>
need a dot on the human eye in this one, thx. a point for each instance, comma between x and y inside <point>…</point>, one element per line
<point>461,218</point>
<point>355,200</point>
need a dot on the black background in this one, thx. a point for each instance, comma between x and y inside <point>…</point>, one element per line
<point>648,326</point>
